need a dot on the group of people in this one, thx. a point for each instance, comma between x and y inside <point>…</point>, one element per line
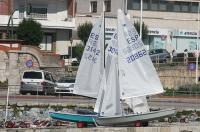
<point>174,56</point>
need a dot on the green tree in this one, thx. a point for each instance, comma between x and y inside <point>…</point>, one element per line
<point>84,30</point>
<point>78,51</point>
<point>30,31</point>
<point>144,29</point>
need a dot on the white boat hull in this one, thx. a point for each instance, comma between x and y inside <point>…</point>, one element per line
<point>130,119</point>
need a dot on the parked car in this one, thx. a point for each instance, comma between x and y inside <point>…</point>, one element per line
<point>65,85</point>
<point>37,82</point>
<point>159,55</point>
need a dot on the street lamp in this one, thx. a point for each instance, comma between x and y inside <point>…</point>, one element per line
<point>8,25</point>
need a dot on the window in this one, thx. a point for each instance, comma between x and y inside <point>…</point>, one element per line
<point>47,77</point>
<point>185,7</point>
<point>194,7</point>
<point>37,11</point>
<point>32,75</point>
<point>136,4</point>
<point>93,6</point>
<point>107,6</point>
<point>170,6</point>
<point>154,5</point>
<point>145,4</point>
<point>21,11</point>
<point>177,6</point>
<point>47,42</point>
<point>163,6</point>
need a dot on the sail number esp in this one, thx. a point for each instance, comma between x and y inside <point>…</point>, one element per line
<point>136,56</point>
<point>91,50</point>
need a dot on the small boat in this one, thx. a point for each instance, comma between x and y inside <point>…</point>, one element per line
<point>89,118</point>
<point>128,120</point>
<point>128,77</point>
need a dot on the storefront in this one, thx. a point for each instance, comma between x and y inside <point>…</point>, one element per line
<point>170,39</point>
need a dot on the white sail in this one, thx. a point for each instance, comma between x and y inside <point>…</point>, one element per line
<point>91,67</point>
<point>138,105</point>
<point>137,74</point>
<point>100,98</point>
<point>108,101</point>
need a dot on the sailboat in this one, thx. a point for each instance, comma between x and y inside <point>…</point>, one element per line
<point>129,76</point>
<point>89,74</point>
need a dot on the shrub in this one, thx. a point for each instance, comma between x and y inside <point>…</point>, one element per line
<point>185,112</point>
<point>30,31</point>
<point>189,88</point>
<point>168,92</point>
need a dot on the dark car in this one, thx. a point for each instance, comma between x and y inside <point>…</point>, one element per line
<point>159,55</point>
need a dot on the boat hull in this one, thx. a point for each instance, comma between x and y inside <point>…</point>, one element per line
<point>130,119</point>
<point>73,117</point>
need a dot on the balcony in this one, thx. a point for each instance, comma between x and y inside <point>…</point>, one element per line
<point>48,21</point>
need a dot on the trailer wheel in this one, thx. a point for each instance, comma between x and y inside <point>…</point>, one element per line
<point>81,124</point>
<point>138,124</point>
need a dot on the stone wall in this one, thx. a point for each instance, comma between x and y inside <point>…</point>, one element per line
<point>3,66</point>
<point>176,76</point>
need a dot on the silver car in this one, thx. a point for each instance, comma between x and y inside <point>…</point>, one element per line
<point>37,82</point>
<point>159,55</point>
<point>64,85</point>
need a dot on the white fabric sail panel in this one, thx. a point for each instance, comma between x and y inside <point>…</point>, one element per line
<point>91,67</point>
<point>111,102</point>
<point>137,74</point>
<point>138,104</point>
<point>99,101</point>
<point>108,104</point>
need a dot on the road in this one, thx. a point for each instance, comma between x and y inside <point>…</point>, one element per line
<point>155,101</point>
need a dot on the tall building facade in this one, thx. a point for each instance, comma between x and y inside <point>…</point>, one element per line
<point>56,18</point>
<point>172,24</point>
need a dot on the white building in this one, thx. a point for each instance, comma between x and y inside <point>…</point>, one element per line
<point>55,16</point>
<point>172,23</point>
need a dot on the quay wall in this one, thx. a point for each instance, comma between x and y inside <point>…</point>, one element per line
<point>119,129</point>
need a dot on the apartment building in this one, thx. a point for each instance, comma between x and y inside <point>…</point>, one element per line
<point>55,16</point>
<point>173,24</point>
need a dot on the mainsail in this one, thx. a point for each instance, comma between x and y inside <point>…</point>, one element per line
<point>137,75</point>
<point>91,67</point>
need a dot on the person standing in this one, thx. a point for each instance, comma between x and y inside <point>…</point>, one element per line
<point>185,57</point>
<point>174,55</point>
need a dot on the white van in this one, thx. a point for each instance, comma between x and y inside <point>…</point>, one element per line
<point>37,82</point>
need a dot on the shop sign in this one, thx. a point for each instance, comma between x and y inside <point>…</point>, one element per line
<point>187,33</point>
<point>158,31</point>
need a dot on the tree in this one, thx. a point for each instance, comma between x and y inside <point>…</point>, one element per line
<point>78,51</point>
<point>144,29</point>
<point>30,31</point>
<point>84,30</point>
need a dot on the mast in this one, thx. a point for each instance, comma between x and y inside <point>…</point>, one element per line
<point>104,40</point>
<point>197,56</point>
<point>141,15</point>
